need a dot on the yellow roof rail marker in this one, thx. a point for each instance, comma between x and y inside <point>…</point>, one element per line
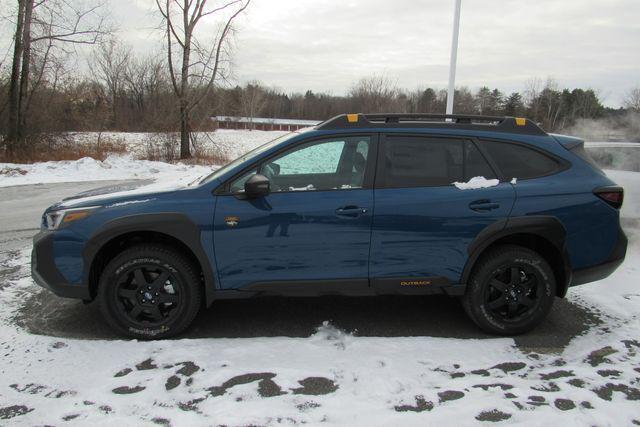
<point>352,118</point>
<point>520,121</point>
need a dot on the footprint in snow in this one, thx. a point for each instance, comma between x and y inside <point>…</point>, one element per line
<point>493,415</point>
<point>448,395</point>
<point>420,406</point>
<point>13,411</point>
<point>128,390</point>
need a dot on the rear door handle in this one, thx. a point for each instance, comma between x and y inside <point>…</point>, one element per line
<point>483,205</point>
<point>351,211</point>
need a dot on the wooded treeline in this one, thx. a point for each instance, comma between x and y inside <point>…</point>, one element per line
<point>129,93</point>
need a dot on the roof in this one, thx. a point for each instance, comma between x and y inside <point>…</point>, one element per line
<point>266,120</point>
<point>438,121</point>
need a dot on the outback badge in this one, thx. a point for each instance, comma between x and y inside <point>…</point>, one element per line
<point>232,221</point>
<point>415,282</point>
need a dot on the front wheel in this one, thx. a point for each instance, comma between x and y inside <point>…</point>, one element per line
<point>149,292</point>
<point>511,290</point>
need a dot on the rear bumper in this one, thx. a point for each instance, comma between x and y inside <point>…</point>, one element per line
<point>46,274</point>
<point>603,270</point>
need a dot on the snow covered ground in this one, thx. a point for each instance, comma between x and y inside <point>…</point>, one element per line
<point>333,376</point>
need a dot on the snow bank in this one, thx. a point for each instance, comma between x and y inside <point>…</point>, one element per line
<point>115,167</point>
<point>476,182</point>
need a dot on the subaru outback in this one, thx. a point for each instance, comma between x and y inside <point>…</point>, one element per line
<point>492,210</point>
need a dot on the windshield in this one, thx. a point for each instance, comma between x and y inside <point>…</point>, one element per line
<point>246,157</point>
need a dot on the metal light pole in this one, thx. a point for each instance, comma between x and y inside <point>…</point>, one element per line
<point>454,58</point>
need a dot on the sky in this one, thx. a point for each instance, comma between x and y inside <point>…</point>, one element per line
<point>328,45</point>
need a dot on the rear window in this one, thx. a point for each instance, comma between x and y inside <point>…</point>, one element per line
<point>518,161</point>
<point>413,161</point>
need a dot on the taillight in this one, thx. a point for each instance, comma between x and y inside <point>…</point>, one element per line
<point>612,195</point>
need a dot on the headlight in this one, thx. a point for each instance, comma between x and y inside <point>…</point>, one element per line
<point>55,219</point>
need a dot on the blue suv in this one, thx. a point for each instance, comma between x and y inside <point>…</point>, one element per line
<point>490,209</point>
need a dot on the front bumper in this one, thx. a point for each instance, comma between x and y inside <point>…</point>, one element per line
<point>46,274</point>
<point>603,270</point>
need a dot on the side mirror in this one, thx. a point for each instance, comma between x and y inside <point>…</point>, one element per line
<point>257,186</point>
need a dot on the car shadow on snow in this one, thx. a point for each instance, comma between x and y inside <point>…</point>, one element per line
<point>384,316</point>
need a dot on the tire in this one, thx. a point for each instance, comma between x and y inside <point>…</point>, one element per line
<point>510,291</point>
<point>149,292</point>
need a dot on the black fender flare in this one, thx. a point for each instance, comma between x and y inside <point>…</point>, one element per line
<point>546,227</point>
<point>176,225</point>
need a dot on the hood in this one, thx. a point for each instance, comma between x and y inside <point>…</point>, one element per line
<point>127,192</point>
<point>111,189</point>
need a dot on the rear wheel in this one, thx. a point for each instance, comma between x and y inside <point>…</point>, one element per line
<point>511,290</point>
<point>149,292</point>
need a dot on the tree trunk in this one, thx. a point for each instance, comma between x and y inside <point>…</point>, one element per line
<point>24,75</point>
<point>14,84</point>
<point>185,146</point>
<point>114,110</point>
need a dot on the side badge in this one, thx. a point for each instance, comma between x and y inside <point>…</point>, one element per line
<point>232,221</point>
<point>415,282</point>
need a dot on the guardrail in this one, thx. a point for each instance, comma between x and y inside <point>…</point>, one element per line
<point>612,144</point>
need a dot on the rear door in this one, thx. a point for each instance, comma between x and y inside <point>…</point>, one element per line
<point>313,229</point>
<point>423,224</point>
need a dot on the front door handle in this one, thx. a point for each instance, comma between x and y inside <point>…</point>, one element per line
<point>351,211</point>
<point>483,205</point>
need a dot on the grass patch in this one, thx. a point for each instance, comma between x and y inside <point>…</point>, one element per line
<point>44,149</point>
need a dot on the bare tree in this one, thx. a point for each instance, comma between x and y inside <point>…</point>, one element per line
<point>48,22</point>
<point>532,95</point>
<point>551,104</point>
<point>632,99</point>
<point>109,67</point>
<point>252,101</point>
<point>375,94</point>
<point>201,62</point>
<point>14,82</point>
<point>148,92</point>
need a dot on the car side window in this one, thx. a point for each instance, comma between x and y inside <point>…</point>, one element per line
<point>313,159</point>
<point>414,161</point>
<point>475,164</point>
<point>331,164</point>
<point>518,161</point>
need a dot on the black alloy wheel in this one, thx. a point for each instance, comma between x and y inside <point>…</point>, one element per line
<point>150,291</point>
<point>513,292</point>
<point>510,291</point>
<point>148,294</point>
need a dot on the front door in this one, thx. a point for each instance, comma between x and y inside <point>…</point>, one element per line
<point>424,223</point>
<point>314,226</point>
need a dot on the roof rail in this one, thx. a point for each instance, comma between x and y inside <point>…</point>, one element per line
<point>441,121</point>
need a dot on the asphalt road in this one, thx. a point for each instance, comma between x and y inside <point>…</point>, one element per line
<point>435,316</point>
